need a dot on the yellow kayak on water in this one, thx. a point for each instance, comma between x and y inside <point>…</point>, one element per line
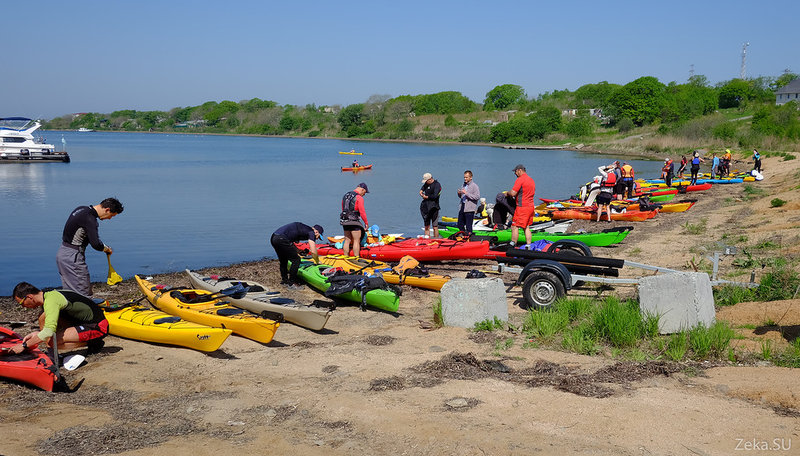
<point>352,152</point>
<point>207,308</point>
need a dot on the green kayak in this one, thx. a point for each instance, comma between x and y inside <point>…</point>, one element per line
<point>602,239</point>
<point>662,198</point>
<point>380,299</point>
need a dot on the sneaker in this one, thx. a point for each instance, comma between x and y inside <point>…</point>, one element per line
<point>94,346</point>
<point>296,286</point>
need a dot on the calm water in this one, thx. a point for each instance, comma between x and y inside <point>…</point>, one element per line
<point>196,201</point>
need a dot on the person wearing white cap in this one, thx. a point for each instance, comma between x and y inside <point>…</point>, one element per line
<point>429,207</point>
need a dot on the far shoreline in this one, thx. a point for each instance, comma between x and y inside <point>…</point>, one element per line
<point>642,155</point>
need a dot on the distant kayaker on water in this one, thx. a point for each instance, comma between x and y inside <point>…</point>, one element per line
<point>283,240</point>
<point>354,218</point>
<point>523,190</point>
<point>355,164</point>
<point>470,194</point>
<point>429,207</point>
<point>80,230</point>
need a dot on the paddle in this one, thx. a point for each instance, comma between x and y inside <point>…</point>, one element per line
<point>113,277</point>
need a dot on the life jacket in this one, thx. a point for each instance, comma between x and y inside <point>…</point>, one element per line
<point>349,213</point>
<point>610,180</point>
<point>627,171</point>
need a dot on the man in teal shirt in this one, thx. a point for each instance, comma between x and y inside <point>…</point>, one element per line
<point>75,319</point>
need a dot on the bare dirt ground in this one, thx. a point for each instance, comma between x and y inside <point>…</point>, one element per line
<point>379,383</point>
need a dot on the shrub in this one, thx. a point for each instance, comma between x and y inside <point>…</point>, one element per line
<point>728,295</point>
<point>625,125</point>
<point>450,121</point>
<point>777,202</point>
<point>725,131</point>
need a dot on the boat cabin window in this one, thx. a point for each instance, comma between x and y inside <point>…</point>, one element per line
<point>7,139</point>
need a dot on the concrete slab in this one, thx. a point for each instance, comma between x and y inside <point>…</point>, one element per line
<point>469,301</point>
<point>682,300</point>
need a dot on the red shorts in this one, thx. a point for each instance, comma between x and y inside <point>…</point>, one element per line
<point>523,216</point>
<point>89,331</point>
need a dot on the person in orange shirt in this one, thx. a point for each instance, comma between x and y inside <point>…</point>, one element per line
<point>524,189</point>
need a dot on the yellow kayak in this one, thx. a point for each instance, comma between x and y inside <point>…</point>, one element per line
<point>140,322</point>
<point>352,152</point>
<point>213,310</point>
<point>351,264</point>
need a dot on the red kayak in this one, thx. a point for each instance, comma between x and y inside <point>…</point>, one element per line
<point>31,366</point>
<point>356,168</point>
<point>420,249</point>
<point>582,214</point>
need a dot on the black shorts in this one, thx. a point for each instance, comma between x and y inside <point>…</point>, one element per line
<point>604,198</point>
<point>348,228</point>
<point>431,216</point>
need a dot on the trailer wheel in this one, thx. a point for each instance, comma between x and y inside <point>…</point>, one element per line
<point>541,289</point>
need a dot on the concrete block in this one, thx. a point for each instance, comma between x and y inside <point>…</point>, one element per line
<point>682,300</point>
<point>469,301</point>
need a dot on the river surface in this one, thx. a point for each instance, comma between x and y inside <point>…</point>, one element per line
<point>194,201</point>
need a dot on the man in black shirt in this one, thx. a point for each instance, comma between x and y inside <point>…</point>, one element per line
<point>283,240</point>
<point>80,231</point>
<point>429,207</point>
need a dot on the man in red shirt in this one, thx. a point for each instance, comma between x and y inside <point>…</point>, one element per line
<point>524,189</point>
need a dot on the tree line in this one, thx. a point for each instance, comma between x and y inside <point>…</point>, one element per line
<point>506,115</point>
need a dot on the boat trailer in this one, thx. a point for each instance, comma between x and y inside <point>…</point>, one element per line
<point>546,277</point>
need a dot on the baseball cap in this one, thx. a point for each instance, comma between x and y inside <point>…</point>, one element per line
<point>425,177</point>
<point>319,230</point>
<point>364,186</point>
<point>520,166</point>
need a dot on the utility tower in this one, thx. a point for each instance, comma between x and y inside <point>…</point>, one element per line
<point>691,71</point>
<point>744,60</point>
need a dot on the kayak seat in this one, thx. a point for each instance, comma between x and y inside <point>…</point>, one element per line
<point>167,320</point>
<point>281,300</point>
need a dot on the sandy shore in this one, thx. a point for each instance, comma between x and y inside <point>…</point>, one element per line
<point>379,383</point>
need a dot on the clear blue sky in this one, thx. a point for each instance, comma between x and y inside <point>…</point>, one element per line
<point>63,57</point>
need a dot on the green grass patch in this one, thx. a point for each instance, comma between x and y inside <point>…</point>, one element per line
<point>580,339</point>
<point>619,323</point>
<point>777,202</point>
<point>490,325</point>
<point>544,324</point>
<point>695,228</point>
<point>677,346</point>
<point>438,321</point>
<point>729,295</point>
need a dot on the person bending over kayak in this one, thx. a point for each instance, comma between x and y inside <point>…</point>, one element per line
<point>524,189</point>
<point>80,231</point>
<point>353,218</point>
<point>283,240</point>
<point>503,206</point>
<point>75,319</point>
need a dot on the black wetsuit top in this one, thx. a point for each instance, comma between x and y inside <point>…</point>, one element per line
<point>81,229</point>
<point>296,232</point>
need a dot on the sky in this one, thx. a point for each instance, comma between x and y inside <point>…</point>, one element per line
<point>103,56</point>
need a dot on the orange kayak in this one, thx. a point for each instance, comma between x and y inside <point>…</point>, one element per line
<point>356,168</point>
<point>627,216</point>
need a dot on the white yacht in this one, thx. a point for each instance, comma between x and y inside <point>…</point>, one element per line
<point>17,143</point>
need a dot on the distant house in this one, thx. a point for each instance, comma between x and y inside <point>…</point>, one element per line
<point>789,92</point>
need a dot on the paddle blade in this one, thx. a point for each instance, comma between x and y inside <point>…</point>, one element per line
<point>113,277</point>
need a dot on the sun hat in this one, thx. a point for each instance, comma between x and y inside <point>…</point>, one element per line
<point>364,186</point>
<point>426,176</point>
